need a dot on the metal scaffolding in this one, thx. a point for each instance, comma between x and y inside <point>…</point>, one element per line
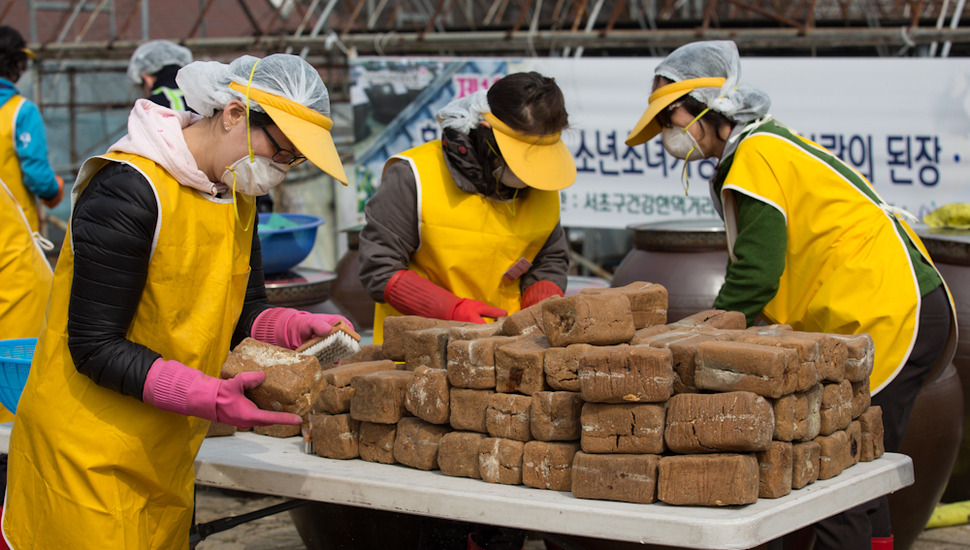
<point>83,46</point>
<point>333,29</point>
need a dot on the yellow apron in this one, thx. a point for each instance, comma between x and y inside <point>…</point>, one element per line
<point>26,277</point>
<point>468,242</point>
<point>847,269</point>
<point>90,468</point>
<point>10,171</point>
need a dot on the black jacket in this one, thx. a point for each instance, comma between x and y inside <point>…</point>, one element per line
<point>165,79</point>
<point>112,230</point>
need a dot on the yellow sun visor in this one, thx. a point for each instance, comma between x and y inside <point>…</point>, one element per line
<point>661,98</point>
<point>542,162</point>
<point>307,129</point>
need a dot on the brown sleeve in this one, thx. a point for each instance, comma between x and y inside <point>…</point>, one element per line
<point>390,235</point>
<point>551,263</point>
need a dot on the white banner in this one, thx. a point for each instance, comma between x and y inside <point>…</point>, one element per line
<point>904,123</point>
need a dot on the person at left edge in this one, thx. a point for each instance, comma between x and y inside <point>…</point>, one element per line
<point>24,166</point>
<point>159,277</point>
<point>26,283</point>
<point>26,181</point>
<point>467,227</point>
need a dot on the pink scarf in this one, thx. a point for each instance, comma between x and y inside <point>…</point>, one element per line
<point>155,132</point>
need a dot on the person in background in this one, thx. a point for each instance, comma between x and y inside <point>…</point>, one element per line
<point>811,244</point>
<point>153,66</point>
<point>25,169</point>
<point>160,277</point>
<point>467,227</point>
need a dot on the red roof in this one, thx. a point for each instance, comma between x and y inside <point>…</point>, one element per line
<point>170,19</point>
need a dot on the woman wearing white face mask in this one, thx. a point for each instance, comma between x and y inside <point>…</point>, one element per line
<point>160,276</point>
<point>811,244</point>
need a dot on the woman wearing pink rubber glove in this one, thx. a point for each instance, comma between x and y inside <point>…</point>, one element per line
<point>160,276</point>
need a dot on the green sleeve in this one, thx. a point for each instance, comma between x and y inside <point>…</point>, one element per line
<point>752,279</point>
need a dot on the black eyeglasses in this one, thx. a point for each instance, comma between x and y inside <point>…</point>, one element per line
<point>283,156</point>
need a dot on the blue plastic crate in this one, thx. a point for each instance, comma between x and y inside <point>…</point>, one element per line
<point>15,357</point>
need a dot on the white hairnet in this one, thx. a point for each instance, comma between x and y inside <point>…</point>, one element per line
<point>716,58</point>
<point>464,114</point>
<point>205,84</point>
<point>153,56</point>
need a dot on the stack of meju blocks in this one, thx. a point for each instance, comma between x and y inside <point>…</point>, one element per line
<point>596,394</point>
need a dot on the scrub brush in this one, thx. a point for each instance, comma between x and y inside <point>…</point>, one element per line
<point>341,342</point>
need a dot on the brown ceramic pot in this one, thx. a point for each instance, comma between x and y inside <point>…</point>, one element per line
<point>687,257</point>
<point>950,251</point>
<point>348,293</point>
<point>932,439</point>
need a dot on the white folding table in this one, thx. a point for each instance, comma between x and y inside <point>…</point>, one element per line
<point>262,464</point>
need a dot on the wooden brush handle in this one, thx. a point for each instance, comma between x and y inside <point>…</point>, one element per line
<point>344,327</point>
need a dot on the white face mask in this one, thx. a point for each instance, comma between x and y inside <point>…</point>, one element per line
<point>505,176</point>
<point>254,178</point>
<point>680,143</point>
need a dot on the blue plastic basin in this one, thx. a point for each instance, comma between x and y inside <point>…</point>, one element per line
<point>284,248</point>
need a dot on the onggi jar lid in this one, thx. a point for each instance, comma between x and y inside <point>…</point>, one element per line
<point>949,246</point>
<point>680,235</point>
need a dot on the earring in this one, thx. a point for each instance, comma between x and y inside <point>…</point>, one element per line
<point>226,126</point>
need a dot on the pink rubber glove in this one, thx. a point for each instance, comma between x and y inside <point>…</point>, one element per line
<point>174,387</point>
<point>290,328</point>
<point>412,294</point>
<point>539,291</point>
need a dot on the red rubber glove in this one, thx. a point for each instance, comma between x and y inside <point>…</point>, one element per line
<point>539,291</point>
<point>412,294</point>
<point>174,387</point>
<point>56,199</point>
<point>290,328</point>
<point>473,311</point>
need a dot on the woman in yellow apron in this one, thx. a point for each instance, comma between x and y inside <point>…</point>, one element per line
<point>26,179</point>
<point>159,276</point>
<point>25,273</point>
<point>811,243</point>
<point>26,277</point>
<point>467,227</point>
